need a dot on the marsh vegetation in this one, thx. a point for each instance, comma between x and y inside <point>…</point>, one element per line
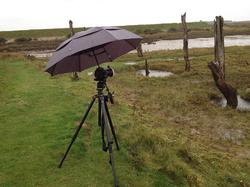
<point>171,134</point>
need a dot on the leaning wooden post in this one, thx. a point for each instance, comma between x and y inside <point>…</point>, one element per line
<point>217,67</point>
<point>140,54</point>
<point>219,50</point>
<point>72,32</point>
<point>185,42</point>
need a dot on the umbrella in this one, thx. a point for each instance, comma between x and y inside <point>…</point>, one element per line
<point>92,47</point>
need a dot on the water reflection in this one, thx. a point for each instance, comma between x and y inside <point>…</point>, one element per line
<point>242,104</point>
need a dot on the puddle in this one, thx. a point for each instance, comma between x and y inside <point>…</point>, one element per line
<point>90,73</point>
<point>155,73</point>
<point>242,104</point>
<point>40,54</point>
<point>130,63</point>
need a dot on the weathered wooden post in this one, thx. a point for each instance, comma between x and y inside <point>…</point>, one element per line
<point>139,50</point>
<point>146,67</point>
<point>219,50</point>
<point>140,54</point>
<point>185,42</point>
<point>217,67</point>
<point>72,32</point>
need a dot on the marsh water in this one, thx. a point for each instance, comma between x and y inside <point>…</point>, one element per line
<point>130,63</point>
<point>242,104</point>
<point>237,40</point>
<point>155,73</point>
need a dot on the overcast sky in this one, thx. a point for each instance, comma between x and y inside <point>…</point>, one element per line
<point>34,14</point>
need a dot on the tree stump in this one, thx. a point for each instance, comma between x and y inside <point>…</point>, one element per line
<point>140,54</point>
<point>218,66</point>
<point>185,42</point>
<point>227,90</point>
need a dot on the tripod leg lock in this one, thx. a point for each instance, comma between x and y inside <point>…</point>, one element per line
<point>104,147</point>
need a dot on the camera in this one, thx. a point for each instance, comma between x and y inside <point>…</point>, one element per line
<point>102,74</point>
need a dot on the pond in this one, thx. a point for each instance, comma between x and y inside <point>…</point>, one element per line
<point>41,54</point>
<point>236,40</point>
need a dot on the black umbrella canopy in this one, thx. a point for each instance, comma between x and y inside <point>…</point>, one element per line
<point>90,48</point>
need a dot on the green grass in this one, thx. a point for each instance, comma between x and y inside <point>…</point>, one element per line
<point>38,116</point>
<point>170,132</point>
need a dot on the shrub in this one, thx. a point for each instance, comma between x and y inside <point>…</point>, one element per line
<point>23,39</point>
<point>139,31</point>
<point>151,31</point>
<point>2,40</point>
<point>172,29</point>
<point>68,35</point>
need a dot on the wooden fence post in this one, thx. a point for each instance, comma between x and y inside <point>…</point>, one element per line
<point>72,32</point>
<point>217,67</point>
<point>139,50</point>
<point>219,50</point>
<point>185,42</point>
<point>146,67</point>
<point>140,54</point>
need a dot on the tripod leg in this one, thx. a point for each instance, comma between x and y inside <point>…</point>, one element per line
<point>77,131</point>
<point>104,147</point>
<point>111,125</point>
<point>99,112</point>
<point>111,157</point>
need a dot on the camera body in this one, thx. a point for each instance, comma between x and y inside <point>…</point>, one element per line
<point>102,74</point>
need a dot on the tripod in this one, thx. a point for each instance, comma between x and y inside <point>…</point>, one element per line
<point>104,122</point>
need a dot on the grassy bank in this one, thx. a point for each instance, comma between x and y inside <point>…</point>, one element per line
<point>170,132</point>
<point>49,39</point>
<point>149,32</point>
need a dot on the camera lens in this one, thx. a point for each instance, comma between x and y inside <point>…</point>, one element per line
<point>110,72</point>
